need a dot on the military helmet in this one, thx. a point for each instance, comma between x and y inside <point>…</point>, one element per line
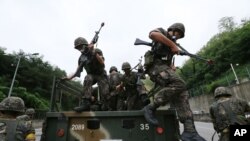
<point>30,111</point>
<point>12,104</point>
<point>113,68</point>
<point>222,91</point>
<point>80,41</point>
<point>178,26</point>
<point>126,65</point>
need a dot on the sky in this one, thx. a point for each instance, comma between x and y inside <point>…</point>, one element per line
<point>49,27</point>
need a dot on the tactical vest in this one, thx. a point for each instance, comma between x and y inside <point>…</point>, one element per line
<point>159,52</point>
<point>130,81</point>
<point>90,63</point>
<point>7,129</point>
<point>114,80</point>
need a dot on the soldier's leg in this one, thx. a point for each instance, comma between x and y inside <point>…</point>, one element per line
<point>181,104</point>
<point>86,95</point>
<point>162,76</point>
<point>161,98</point>
<point>103,85</point>
<point>143,95</point>
<point>113,101</point>
<point>170,84</point>
<point>121,98</point>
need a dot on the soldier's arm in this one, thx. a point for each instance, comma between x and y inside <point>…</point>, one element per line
<point>77,73</point>
<point>100,58</point>
<point>213,118</point>
<point>157,36</point>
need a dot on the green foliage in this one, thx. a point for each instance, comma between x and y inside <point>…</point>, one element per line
<point>33,81</point>
<point>228,47</point>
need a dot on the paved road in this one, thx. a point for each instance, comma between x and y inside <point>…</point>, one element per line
<point>38,134</point>
<point>205,130</point>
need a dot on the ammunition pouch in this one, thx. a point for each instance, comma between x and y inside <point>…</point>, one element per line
<point>148,59</point>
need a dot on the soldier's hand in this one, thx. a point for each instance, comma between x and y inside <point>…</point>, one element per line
<point>175,50</point>
<point>118,87</point>
<point>65,78</point>
<point>91,46</point>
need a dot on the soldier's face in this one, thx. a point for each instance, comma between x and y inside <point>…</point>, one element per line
<point>81,48</point>
<point>175,35</point>
<point>126,71</point>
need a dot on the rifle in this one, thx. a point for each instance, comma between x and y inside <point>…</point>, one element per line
<point>182,52</point>
<point>95,39</point>
<point>86,53</point>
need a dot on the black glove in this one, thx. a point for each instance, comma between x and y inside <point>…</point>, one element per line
<point>145,100</point>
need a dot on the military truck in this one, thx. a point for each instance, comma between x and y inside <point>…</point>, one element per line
<point>107,125</point>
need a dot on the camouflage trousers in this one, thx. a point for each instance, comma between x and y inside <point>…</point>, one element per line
<point>172,90</point>
<point>224,137</point>
<point>117,100</point>
<point>102,82</point>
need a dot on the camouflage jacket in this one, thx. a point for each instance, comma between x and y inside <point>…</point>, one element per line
<point>228,111</point>
<point>14,129</point>
<point>130,83</point>
<point>162,52</point>
<point>90,63</point>
<point>114,80</point>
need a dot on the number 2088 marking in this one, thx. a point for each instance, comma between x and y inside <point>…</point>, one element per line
<point>76,127</point>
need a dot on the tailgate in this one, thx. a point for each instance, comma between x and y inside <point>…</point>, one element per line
<point>111,126</point>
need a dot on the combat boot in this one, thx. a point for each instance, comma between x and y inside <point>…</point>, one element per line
<point>144,98</point>
<point>149,114</point>
<point>190,133</point>
<point>85,105</point>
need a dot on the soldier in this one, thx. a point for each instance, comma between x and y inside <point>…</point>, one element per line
<point>30,112</point>
<point>136,94</point>
<point>12,129</point>
<point>92,61</point>
<point>227,110</point>
<point>117,100</point>
<point>172,88</point>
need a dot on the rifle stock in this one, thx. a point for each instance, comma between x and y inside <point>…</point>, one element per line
<point>141,42</point>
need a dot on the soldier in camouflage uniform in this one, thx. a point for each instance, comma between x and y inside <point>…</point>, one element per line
<point>30,112</point>
<point>12,129</point>
<point>172,88</point>
<point>136,94</point>
<point>92,61</point>
<point>117,100</point>
<point>227,110</point>
<point>27,118</point>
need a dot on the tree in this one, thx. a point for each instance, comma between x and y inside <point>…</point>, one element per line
<point>226,24</point>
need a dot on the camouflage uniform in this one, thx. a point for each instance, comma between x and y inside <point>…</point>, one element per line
<point>12,129</point>
<point>227,110</point>
<point>95,74</point>
<point>117,100</point>
<point>172,89</point>
<point>133,91</point>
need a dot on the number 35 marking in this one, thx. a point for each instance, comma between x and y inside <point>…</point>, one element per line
<point>144,126</point>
